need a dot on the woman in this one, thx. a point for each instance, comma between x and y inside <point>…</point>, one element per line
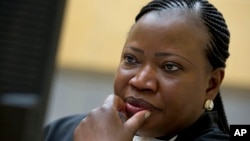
<point>168,80</point>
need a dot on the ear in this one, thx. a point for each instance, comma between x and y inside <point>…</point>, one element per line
<point>215,79</point>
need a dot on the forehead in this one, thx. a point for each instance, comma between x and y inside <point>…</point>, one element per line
<point>170,25</point>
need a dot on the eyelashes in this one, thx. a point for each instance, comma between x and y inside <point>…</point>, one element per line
<point>171,67</point>
<point>167,66</point>
<point>130,59</point>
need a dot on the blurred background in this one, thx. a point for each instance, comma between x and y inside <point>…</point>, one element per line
<point>92,38</point>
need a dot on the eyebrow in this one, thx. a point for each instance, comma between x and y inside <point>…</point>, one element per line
<point>136,49</point>
<point>162,54</point>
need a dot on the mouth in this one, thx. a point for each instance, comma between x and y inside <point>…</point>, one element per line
<point>134,105</point>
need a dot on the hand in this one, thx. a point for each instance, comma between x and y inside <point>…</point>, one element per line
<point>105,124</point>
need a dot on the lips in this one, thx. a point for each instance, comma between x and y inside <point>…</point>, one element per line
<point>134,105</point>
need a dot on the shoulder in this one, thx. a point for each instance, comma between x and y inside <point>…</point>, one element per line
<point>213,134</point>
<point>204,129</point>
<point>62,129</point>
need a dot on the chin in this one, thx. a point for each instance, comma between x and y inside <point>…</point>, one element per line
<point>147,130</point>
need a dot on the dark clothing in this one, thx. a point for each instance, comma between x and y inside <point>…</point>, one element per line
<point>62,129</point>
<point>204,129</point>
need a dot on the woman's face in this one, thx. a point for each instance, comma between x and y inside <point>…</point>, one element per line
<point>163,69</point>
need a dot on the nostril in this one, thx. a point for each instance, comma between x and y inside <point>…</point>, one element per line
<point>148,90</point>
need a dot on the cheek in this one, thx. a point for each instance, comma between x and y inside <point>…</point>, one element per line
<point>121,80</point>
<point>182,103</point>
<point>185,96</point>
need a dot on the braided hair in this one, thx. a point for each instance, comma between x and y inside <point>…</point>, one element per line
<point>219,37</point>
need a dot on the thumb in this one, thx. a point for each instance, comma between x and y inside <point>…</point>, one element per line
<point>136,121</point>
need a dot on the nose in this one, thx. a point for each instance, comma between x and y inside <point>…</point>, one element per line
<point>145,80</point>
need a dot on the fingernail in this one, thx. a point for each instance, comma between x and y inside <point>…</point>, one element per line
<point>122,116</point>
<point>147,115</point>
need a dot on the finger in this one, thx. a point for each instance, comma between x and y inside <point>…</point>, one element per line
<point>136,121</point>
<point>115,102</point>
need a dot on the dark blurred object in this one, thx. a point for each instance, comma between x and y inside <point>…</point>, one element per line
<point>29,33</point>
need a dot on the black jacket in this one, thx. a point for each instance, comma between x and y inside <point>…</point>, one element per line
<point>204,129</point>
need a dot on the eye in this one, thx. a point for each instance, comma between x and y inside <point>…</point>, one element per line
<point>130,59</point>
<point>170,67</point>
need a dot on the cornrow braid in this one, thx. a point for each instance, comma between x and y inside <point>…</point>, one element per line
<point>218,50</point>
<point>219,37</point>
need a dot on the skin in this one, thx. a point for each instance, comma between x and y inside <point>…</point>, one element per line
<point>163,63</point>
